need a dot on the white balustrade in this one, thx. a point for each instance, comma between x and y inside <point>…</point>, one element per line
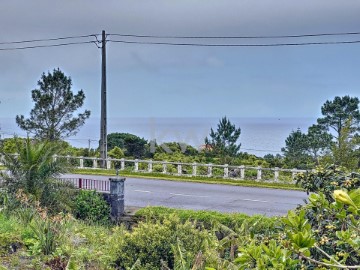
<point>136,165</point>
<point>108,164</point>
<point>122,164</point>
<point>242,172</point>
<point>226,170</point>
<point>179,169</point>
<point>259,171</point>
<point>276,174</point>
<point>239,170</point>
<point>150,166</point>
<point>194,169</point>
<point>209,172</point>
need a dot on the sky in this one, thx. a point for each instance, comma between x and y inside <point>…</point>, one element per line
<point>174,81</point>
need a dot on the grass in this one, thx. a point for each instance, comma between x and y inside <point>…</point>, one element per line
<point>196,179</point>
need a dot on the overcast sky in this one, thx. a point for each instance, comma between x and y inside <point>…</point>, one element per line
<point>170,81</point>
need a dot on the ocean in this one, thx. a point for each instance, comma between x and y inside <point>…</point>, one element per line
<point>259,136</point>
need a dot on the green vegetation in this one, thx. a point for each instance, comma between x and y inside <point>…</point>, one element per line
<point>48,225</point>
<point>133,145</point>
<point>52,115</point>
<point>34,171</point>
<point>90,206</point>
<point>322,234</point>
<point>34,234</point>
<point>223,142</point>
<point>334,140</point>
<point>209,219</point>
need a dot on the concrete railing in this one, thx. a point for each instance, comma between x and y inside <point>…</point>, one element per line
<point>189,169</point>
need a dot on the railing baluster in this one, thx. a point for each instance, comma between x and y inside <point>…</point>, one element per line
<point>226,171</point>
<point>258,177</point>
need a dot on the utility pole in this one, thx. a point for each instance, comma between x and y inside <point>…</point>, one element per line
<point>103,118</point>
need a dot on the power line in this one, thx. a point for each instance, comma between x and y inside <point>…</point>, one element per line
<point>125,41</point>
<point>235,45</point>
<point>237,37</point>
<point>46,39</point>
<point>45,46</point>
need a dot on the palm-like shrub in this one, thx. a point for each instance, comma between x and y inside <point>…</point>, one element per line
<point>34,170</point>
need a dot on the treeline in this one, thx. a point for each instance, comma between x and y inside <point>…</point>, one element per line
<point>333,139</point>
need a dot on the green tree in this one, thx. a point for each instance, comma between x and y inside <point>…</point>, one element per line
<point>174,147</point>
<point>295,150</point>
<point>52,116</point>
<point>133,145</point>
<point>318,141</point>
<point>346,152</point>
<point>116,153</point>
<point>274,161</point>
<point>224,141</point>
<point>8,145</point>
<point>338,112</point>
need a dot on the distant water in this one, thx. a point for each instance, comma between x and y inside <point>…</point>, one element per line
<point>259,136</point>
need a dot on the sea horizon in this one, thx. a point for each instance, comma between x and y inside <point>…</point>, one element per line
<point>259,135</point>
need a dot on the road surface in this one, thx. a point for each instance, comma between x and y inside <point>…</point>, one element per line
<point>197,196</point>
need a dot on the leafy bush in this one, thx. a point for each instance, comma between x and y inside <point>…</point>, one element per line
<point>208,219</point>
<point>152,243</point>
<point>91,206</point>
<point>326,233</point>
<point>327,179</point>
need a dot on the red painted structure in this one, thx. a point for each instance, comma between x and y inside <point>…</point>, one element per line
<point>88,184</point>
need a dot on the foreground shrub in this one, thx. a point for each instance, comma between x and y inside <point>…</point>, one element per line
<point>152,244</point>
<point>210,219</point>
<point>327,179</point>
<point>10,239</point>
<point>91,206</point>
<point>332,228</point>
<point>34,170</point>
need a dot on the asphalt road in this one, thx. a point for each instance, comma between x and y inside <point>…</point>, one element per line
<point>197,196</point>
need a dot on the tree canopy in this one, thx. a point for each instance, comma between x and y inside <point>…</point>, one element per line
<point>132,144</point>
<point>55,103</point>
<point>318,141</point>
<point>340,112</point>
<point>295,151</point>
<point>224,141</point>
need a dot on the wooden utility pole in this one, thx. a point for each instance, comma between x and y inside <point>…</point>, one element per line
<point>103,120</point>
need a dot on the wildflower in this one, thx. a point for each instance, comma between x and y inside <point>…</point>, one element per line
<point>330,227</point>
<point>348,183</point>
<point>323,240</point>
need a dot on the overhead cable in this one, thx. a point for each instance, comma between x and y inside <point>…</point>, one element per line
<point>237,37</point>
<point>45,46</point>
<point>235,45</point>
<point>46,39</point>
